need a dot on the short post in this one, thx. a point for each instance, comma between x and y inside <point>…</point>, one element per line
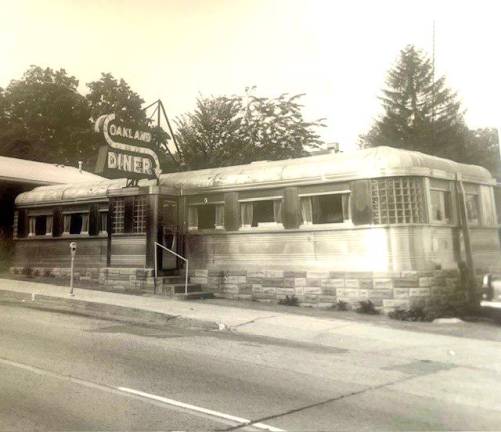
<point>73,251</point>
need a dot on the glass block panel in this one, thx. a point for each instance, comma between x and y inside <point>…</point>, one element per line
<point>397,200</point>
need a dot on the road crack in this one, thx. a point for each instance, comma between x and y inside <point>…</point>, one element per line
<point>317,404</point>
<point>250,322</point>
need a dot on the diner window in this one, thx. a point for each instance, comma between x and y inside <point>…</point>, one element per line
<point>472,209</point>
<point>440,206</point>
<point>207,216</point>
<point>76,223</point>
<point>325,209</point>
<point>118,216</point>
<point>397,200</point>
<point>261,213</point>
<point>39,225</point>
<point>139,214</point>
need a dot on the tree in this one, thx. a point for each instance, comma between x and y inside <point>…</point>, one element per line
<point>45,118</point>
<point>240,129</point>
<point>107,95</point>
<point>483,149</point>
<point>420,113</point>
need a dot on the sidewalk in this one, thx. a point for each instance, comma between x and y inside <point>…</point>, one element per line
<point>292,326</point>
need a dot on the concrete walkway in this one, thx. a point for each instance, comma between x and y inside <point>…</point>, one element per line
<point>327,331</point>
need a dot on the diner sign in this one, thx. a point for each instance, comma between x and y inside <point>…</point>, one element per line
<point>127,152</point>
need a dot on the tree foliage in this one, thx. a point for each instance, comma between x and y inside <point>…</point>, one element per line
<point>43,116</point>
<point>109,95</point>
<point>421,113</point>
<point>234,130</point>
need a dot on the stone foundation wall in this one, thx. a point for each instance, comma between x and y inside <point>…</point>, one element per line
<point>107,278</point>
<point>387,291</point>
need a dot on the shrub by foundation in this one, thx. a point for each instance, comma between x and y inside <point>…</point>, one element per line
<point>366,307</point>
<point>289,301</point>
<point>341,306</point>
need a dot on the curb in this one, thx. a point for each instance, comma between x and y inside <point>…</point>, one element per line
<point>102,311</point>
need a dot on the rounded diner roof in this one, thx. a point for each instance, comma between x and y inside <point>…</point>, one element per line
<point>368,163</point>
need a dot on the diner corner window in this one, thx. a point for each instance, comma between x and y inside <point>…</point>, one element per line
<point>76,223</point>
<point>397,200</point>
<point>118,216</point>
<point>40,225</point>
<point>264,213</point>
<point>139,216</point>
<point>325,209</point>
<point>206,216</point>
<point>440,206</point>
<point>472,209</point>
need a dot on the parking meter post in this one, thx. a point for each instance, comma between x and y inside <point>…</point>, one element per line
<point>73,251</point>
<point>71,276</point>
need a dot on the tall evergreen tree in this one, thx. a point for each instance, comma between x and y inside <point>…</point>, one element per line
<point>420,112</point>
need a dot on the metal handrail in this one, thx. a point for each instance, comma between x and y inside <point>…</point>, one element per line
<point>177,255</point>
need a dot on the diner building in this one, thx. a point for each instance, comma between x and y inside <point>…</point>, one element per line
<point>392,226</point>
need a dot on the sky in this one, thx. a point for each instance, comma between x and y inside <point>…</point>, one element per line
<point>336,52</point>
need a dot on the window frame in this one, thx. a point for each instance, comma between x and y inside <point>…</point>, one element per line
<point>262,225</point>
<point>345,209</point>
<point>117,217</point>
<point>67,220</point>
<point>139,214</point>
<point>192,217</point>
<point>32,216</point>
<point>478,207</point>
<point>447,206</point>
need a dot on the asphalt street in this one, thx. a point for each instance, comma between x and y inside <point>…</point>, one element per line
<point>64,372</point>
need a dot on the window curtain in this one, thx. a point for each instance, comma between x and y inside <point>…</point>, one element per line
<point>67,224</point>
<point>488,212</point>
<point>346,206</point>
<point>316,210</point>
<point>103,220</point>
<point>472,209</point>
<point>277,211</point>
<point>192,217</point>
<point>32,225</point>
<point>306,211</point>
<point>49,222</point>
<point>85,223</point>
<point>246,214</point>
<point>219,216</point>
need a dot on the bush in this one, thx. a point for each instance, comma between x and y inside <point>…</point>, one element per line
<point>289,301</point>
<point>433,310</point>
<point>27,271</point>
<point>341,306</point>
<point>366,307</point>
<point>413,314</point>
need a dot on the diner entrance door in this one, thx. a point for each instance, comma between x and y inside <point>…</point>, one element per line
<point>168,234</point>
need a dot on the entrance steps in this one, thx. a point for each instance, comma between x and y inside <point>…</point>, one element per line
<point>174,286</point>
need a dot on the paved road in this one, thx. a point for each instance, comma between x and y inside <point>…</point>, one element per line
<point>64,372</point>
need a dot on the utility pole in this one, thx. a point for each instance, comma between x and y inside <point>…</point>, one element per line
<point>433,75</point>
